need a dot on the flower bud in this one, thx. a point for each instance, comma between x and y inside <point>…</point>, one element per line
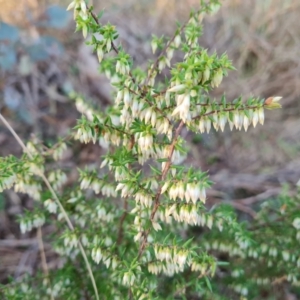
<point>154,46</point>
<point>272,102</point>
<point>217,79</point>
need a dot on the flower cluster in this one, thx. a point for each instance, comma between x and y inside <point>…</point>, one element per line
<point>98,254</point>
<point>188,214</point>
<point>191,191</point>
<point>28,186</point>
<point>34,221</point>
<point>7,181</point>
<point>57,179</point>
<point>171,260</point>
<point>59,151</point>
<point>51,206</point>
<point>91,181</point>
<point>235,118</point>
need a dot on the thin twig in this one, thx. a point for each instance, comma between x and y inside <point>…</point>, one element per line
<point>44,260</point>
<point>243,208</point>
<point>113,46</point>
<point>226,109</point>
<point>124,215</point>
<point>98,23</point>
<point>260,197</point>
<point>158,194</point>
<point>54,195</point>
<point>155,65</point>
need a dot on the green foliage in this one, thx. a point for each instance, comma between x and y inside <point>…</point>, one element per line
<point>149,234</point>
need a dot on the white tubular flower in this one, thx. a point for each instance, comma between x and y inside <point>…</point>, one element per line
<point>193,93</point>
<point>25,226</point>
<point>107,262</point>
<point>220,225</point>
<point>127,98</point>
<point>128,278</point>
<point>100,53</point>
<point>186,102</point>
<point>120,96</point>
<point>125,117</point>
<point>170,210</point>
<point>84,30</point>
<point>202,195</point>
<point>153,119</point>
<point>173,192</point>
<point>176,88</point>
<point>104,163</point>
<point>148,114</point>
<point>180,190</point>
<point>70,240</point>
<point>108,45</point>
<point>57,178</point>
<point>231,125</point>
<point>162,63</point>
<point>216,121</point>
<point>206,74</point>
<point>214,8</point>
<point>59,151</point>
<point>167,98</point>
<point>38,221</point>
<point>273,251</point>
<point>222,121</point>
<point>261,115</point>
<point>236,119</point>
<point>194,192</point>
<point>179,99</point>
<point>32,148</point>
<point>183,107</point>
<point>170,52</point>
<point>71,5</point>
<point>144,199</point>
<point>177,40</point>
<point>85,183</point>
<point>122,67</point>
<point>209,221</point>
<point>165,187</point>
<point>296,223</point>
<point>138,236</point>
<point>202,125</point>
<point>181,257</point>
<point>246,123</point>
<point>255,118</point>
<point>154,45</point>
<point>207,124</point>
<point>83,7</point>
<point>96,255</point>
<point>135,108</point>
<point>188,192</point>
<point>277,98</point>
<point>51,206</point>
<point>166,125</point>
<point>156,226</point>
<point>145,142</point>
<point>155,268</point>
<point>217,79</point>
<point>7,183</point>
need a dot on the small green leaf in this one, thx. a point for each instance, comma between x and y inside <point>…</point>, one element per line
<point>155,170</point>
<point>208,283</point>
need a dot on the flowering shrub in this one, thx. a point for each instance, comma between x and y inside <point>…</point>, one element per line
<point>134,232</point>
